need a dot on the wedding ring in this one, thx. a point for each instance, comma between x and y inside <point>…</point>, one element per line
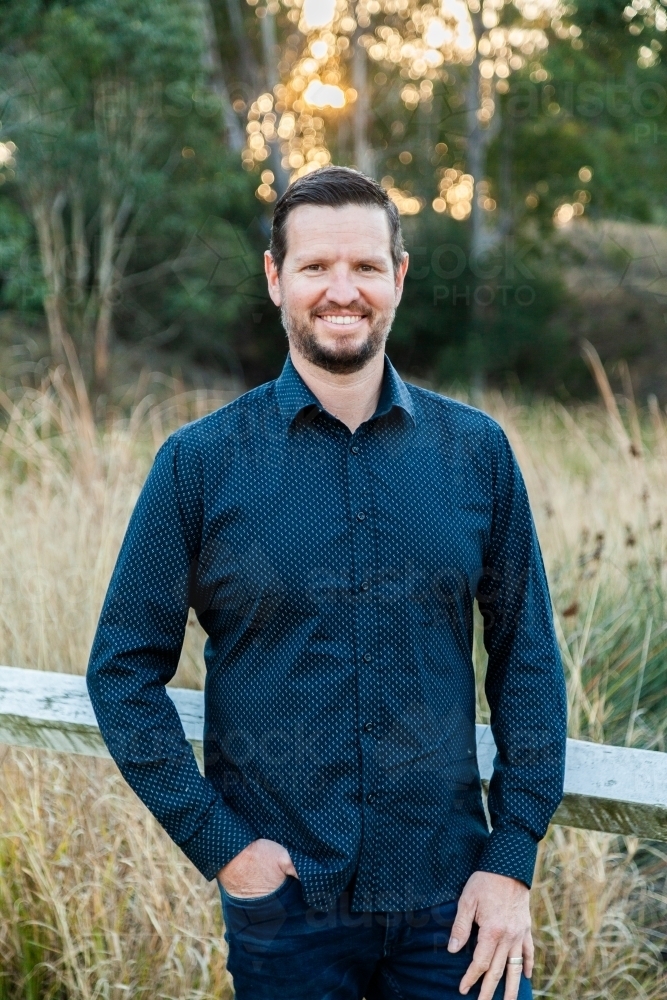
<point>515,961</point>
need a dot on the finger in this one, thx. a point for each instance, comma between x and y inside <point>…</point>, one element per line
<point>496,970</point>
<point>462,925</point>
<point>481,962</point>
<point>512,981</point>
<point>528,955</point>
<point>513,971</point>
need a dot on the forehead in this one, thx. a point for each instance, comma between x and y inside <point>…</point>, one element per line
<point>345,232</point>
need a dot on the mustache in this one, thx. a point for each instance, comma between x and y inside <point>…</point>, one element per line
<point>356,307</point>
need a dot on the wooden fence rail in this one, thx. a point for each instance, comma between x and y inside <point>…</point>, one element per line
<point>614,789</point>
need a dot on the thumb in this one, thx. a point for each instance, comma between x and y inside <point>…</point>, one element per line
<point>288,866</point>
<point>462,926</point>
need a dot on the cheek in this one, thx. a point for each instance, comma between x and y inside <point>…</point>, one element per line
<point>302,296</point>
<point>381,297</point>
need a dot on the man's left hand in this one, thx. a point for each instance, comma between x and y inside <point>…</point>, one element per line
<point>500,906</point>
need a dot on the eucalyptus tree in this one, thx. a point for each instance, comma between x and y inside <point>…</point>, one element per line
<point>418,92</point>
<point>92,96</point>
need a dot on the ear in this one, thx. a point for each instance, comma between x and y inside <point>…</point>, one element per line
<point>272,279</point>
<point>399,278</point>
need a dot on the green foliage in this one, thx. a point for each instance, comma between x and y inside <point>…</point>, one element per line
<point>141,39</point>
<point>210,230</point>
<point>18,20</point>
<point>107,103</point>
<point>21,284</point>
<point>598,108</point>
<point>492,316</point>
<point>120,94</point>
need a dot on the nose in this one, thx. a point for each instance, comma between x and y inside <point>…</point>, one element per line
<point>342,288</point>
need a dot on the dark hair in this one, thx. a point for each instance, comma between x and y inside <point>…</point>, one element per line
<point>333,186</point>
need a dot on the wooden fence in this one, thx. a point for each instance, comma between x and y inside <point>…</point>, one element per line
<point>615,789</point>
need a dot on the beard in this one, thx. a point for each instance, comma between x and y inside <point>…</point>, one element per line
<point>342,359</point>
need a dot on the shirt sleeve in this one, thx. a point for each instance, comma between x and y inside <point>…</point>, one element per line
<point>525,686</point>
<point>135,653</point>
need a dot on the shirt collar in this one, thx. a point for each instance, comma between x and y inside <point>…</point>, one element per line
<point>294,396</point>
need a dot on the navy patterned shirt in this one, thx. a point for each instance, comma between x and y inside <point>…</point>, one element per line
<point>334,574</point>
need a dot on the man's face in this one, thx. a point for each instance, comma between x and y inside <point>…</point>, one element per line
<point>337,290</point>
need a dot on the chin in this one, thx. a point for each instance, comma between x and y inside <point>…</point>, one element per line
<point>343,349</point>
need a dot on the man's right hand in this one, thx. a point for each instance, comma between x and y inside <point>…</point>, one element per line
<point>258,870</point>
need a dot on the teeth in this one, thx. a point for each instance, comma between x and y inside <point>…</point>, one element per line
<point>342,320</point>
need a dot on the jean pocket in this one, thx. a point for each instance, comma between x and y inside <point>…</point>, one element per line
<point>249,901</point>
<point>255,922</point>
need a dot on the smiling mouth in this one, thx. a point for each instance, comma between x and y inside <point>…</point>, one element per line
<point>339,320</point>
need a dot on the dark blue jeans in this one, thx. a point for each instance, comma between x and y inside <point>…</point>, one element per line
<point>281,949</point>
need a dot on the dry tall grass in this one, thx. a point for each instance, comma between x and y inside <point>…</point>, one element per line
<point>94,899</point>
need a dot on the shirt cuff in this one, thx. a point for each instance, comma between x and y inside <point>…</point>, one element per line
<point>221,838</point>
<point>510,851</point>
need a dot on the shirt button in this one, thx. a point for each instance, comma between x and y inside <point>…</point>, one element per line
<point>365,585</point>
<point>361,516</point>
<point>368,727</point>
<point>370,798</point>
<point>367,657</point>
<point>355,449</point>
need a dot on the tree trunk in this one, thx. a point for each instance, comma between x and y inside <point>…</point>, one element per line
<point>505,193</point>
<point>53,252</point>
<point>113,220</point>
<point>363,154</point>
<point>247,61</point>
<point>272,76</point>
<point>212,64</point>
<point>80,254</point>
<point>478,141</point>
<point>53,268</point>
<point>425,130</point>
<point>105,272</point>
<point>475,157</point>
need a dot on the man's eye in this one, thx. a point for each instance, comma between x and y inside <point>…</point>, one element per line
<point>314,267</point>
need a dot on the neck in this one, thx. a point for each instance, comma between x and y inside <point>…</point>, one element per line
<point>352,397</point>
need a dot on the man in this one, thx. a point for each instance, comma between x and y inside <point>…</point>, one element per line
<point>332,529</point>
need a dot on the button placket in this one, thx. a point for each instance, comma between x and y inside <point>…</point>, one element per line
<point>366,638</point>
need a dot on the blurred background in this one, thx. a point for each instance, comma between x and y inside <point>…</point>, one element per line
<point>143,144</point>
